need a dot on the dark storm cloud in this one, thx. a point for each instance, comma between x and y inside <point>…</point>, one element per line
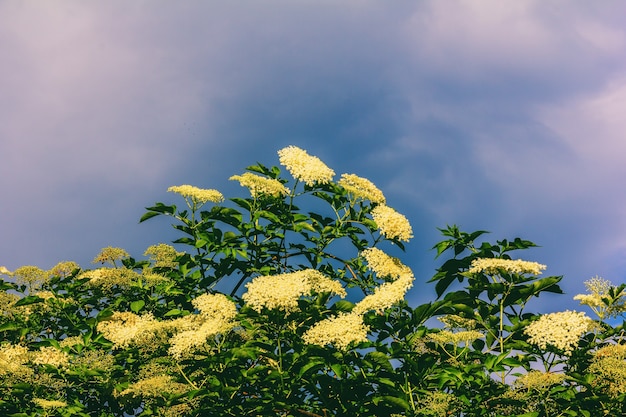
<point>493,115</point>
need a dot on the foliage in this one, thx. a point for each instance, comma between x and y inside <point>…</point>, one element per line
<point>275,310</point>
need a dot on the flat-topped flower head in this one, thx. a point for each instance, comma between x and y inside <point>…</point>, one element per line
<point>561,330</point>
<point>304,167</point>
<point>362,188</point>
<point>49,404</point>
<point>259,185</point>
<point>599,291</point>
<point>340,331</point>
<point>495,266</point>
<point>537,380</point>
<point>385,295</point>
<point>163,255</point>
<point>195,196</point>
<point>110,255</point>
<point>31,276</point>
<point>384,265</point>
<point>64,269</point>
<point>125,329</point>
<point>609,367</point>
<point>392,224</point>
<point>283,291</point>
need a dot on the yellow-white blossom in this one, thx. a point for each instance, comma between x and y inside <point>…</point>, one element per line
<point>384,265</point>
<point>126,328</point>
<point>561,330</point>
<point>49,404</point>
<point>304,167</point>
<point>4,271</point>
<point>609,367</point>
<point>385,295</point>
<point>154,387</point>
<point>31,276</point>
<point>465,337</point>
<point>283,291</point>
<point>163,255</point>
<point>107,278</point>
<point>63,269</point>
<point>537,380</point>
<point>259,185</point>
<point>361,188</point>
<point>197,196</point>
<point>340,331</point>
<point>12,358</point>
<point>495,266</point>
<point>49,355</point>
<point>599,289</point>
<point>392,224</point>
<point>110,254</point>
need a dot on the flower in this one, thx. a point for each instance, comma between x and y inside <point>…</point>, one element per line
<point>609,366</point>
<point>305,167</point>
<point>283,291</point>
<point>4,271</point>
<point>385,295</point>
<point>31,276</point>
<point>49,355</point>
<point>126,328</point>
<point>259,185</point>
<point>538,380</point>
<point>392,224</point>
<point>163,255</point>
<point>445,337</point>
<point>216,317</point>
<point>340,331</point>
<point>384,265</point>
<point>361,188</point>
<point>110,254</point>
<point>108,278</point>
<point>64,269</point>
<point>154,387</point>
<point>600,290</point>
<point>197,196</point>
<point>560,330</point>
<point>45,404</point>
<point>495,266</point>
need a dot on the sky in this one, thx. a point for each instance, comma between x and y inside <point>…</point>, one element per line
<point>498,116</point>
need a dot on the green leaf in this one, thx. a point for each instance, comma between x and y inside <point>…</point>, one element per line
<point>135,306</point>
<point>173,312</point>
<point>8,326</point>
<point>29,299</point>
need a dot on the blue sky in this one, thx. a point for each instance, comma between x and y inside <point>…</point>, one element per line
<point>502,116</point>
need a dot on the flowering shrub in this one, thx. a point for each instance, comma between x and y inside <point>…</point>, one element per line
<point>262,308</point>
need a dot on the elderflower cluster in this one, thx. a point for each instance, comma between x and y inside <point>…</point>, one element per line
<point>445,337</point>
<point>154,387</point>
<point>126,328</point>
<point>438,404</point>
<point>49,404</point>
<point>537,380</point>
<point>495,266</point>
<point>561,330</point>
<point>163,255</point>
<point>64,269</point>
<point>609,365</point>
<point>392,224</point>
<point>111,255</point>
<point>31,276</point>
<point>282,292</point>
<point>385,295</point>
<point>384,265</point>
<point>217,316</point>
<point>197,196</point>
<point>108,278</point>
<point>259,185</point>
<point>340,331</point>
<point>12,358</point>
<point>599,289</point>
<point>361,188</point>
<point>304,167</point>
<point>49,355</point>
